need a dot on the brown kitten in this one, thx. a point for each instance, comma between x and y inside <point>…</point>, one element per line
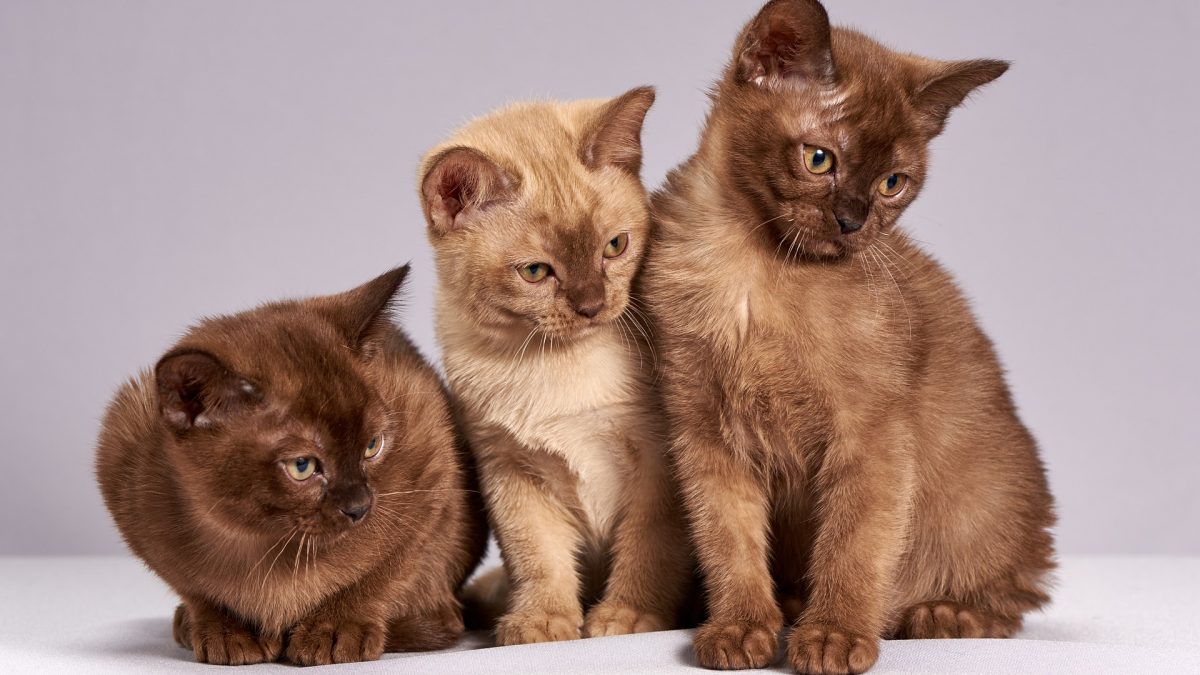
<point>844,438</point>
<point>294,474</point>
<point>538,221</point>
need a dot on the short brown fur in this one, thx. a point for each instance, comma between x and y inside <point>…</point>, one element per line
<point>846,444</point>
<point>365,554</point>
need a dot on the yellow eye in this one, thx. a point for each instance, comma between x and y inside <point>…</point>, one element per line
<point>301,467</point>
<point>817,160</point>
<point>616,246</point>
<point>893,185</point>
<point>373,448</point>
<point>534,273</point>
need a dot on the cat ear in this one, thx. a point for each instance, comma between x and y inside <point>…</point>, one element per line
<point>196,390</point>
<point>946,85</point>
<point>361,313</point>
<point>789,39</point>
<point>457,184</point>
<point>615,138</point>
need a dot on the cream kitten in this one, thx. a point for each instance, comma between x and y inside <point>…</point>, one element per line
<point>538,219</point>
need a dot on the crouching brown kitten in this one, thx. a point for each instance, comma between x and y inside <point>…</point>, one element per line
<point>294,474</point>
<point>847,447</point>
<point>538,220</point>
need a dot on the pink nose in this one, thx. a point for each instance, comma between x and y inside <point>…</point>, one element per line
<point>590,309</point>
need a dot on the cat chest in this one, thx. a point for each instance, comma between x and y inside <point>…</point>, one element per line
<point>579,410</point>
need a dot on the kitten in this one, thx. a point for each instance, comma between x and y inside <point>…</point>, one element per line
<point>538,221</point>
<point>841,426</point>
<point>293,473</point>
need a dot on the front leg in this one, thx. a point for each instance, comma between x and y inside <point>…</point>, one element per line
<point>863,491</point>
<point>651,566</point>
<point>538,539</point>
<point>218,637</point>
<point>727,507</point>
<point>349,627</point>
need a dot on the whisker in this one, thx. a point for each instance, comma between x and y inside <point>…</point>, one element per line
<point>267,574</point>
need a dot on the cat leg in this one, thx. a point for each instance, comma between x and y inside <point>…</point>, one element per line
<point>727,509</point>
<point>349,626</point>
<point>651,565</point>
<point>538,539</point>
<point>863,490</point>
<point>216,636</point>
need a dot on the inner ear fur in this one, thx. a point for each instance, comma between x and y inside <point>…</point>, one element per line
<point>615,136</point>
<point>195,389</point>
<point>787,40</point>
<point>459,183</point>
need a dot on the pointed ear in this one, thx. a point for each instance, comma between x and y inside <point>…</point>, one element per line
<point>361,313</point>
<point>196,390</point>
<point>789,39</point>
<point>615,137</point>
<point>458,183</point>
<point>946,85</point>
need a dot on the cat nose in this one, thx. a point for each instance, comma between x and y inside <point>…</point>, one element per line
<point>356,512</point>
<point>356,503</point>
<point>590,309</point>
<point>848,226</point>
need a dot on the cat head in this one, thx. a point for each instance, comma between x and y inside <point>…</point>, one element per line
<point>538,217</point>
<point>273,423</point>
<point>826,131</point>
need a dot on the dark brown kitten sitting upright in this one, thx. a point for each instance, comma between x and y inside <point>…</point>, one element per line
<point>842,430</point>
<point>293,472</point>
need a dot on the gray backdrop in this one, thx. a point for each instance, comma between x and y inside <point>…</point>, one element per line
<point>160,161</point>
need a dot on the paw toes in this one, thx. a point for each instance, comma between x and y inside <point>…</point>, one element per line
<point>820,649</point>
<point>736,645</point>
<point>944,619</point>
<point>531,627</point>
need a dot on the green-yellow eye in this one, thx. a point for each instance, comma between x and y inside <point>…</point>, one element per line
<point>893,185</point>
<point>534,273</point>
<point>817,160</point>
<point>616,246</point>
<point>301,467</point>
<point>373,448</point>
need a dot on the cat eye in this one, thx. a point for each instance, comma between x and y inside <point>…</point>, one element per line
<point>373,448</point>
<point>616,246</point>
<point>893,185</point>
<point>817,160</point>
<point>535,272</point>
<point>301,468</point>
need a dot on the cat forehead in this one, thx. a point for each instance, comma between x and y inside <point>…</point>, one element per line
<point>859,123</point>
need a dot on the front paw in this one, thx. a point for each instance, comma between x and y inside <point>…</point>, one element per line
<point>737,645</point>
<point>222,640</point>
<point>524,627</point>
<point>320,643</point>
<point>614,618</point>
<point>824,649</point>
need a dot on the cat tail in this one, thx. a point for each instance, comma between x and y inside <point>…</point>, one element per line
<point>485,599</point>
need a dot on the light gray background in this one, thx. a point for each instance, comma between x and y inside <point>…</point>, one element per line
<point>160,161</point>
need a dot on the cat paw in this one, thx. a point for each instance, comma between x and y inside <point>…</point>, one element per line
<point>737,645</point>
<point>613,618</point>
<point>425,633</point>
<point>519,628</point>
<point>322,643</point>
<point>221,641</point>
<point>823,649</point>
<point>944,619</point>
